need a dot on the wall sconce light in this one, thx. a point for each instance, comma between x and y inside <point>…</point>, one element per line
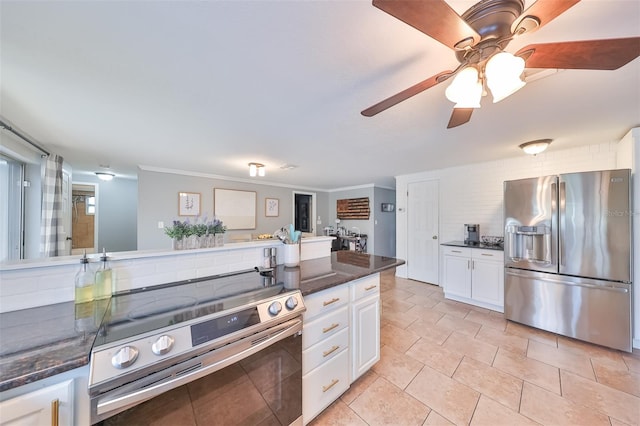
<point>105,176</point>
<point>535,147</point>
<point>256,169</point>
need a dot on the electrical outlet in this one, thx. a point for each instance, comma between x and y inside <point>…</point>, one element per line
<point>161,225</point>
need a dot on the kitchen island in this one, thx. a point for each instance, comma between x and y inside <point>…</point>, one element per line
<point>42,342</point>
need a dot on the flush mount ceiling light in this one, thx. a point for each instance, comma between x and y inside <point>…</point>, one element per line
<point>256,169</point>
<point>105,176</point>
<point>535,147</point>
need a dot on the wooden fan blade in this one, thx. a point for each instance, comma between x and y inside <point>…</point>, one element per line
<point>545,11</point>
<point>435,18</point>
<point>609,54</point>
<point>459,116</point>
<point>405,94</point>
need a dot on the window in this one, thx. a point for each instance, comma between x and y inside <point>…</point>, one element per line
<point>90,204</point>
<point>11,208</point>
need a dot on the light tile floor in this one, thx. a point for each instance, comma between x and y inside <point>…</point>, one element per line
<point>444,362</point>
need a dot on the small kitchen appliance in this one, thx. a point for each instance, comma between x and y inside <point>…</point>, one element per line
<point>471,233</point>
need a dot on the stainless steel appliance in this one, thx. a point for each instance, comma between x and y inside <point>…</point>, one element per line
<point>568,255</point>
<point>471,233</point>
<point>244,327</point>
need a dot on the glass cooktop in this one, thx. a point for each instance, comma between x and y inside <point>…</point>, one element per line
<point>142,311</point>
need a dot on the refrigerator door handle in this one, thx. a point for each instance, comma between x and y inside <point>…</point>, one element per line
<point>564,282</point>
<point>563,210</point>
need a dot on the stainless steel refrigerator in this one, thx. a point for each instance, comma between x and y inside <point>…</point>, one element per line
<point>568,255</point>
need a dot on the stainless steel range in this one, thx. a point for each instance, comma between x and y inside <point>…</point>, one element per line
<point>154,340</point>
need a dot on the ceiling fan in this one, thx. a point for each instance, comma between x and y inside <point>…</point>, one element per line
<point>479,37</point>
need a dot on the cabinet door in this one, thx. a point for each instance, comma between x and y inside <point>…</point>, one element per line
<point>365,346</point>
<point>50,405</point>
<point>457,275</point>
<point>488,281</point>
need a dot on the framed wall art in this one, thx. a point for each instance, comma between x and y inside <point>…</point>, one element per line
<point>271,207</point>
<point>235,208</point>
<point>188,204</point>
<point>388,207</point>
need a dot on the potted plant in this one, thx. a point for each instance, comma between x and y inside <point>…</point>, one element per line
<point>217,230</point>
<point>177,233</point>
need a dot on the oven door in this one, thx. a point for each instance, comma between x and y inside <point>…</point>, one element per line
<point>260,375</point>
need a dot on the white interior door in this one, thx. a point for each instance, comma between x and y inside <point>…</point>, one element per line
<point>422,231</point>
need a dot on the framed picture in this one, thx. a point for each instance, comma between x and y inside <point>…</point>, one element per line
<point>271,207</point>
<point>235,208</point>
<point>388,207</point>
<point>188,204</point>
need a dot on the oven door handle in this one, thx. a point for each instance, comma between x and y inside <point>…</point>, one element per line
<point>120,403</point>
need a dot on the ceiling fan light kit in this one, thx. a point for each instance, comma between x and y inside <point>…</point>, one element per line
<point>479,37</point>
<point>503,73</point>
<point>466,89</point>
<point>535,147</point>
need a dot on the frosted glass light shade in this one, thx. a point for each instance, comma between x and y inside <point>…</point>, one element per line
<point>535,147</point>
<point>256,169</point>
<point>503,72</point>
<point>465,89</point>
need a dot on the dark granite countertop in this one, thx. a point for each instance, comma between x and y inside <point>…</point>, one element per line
<point>40,342</point>
<point>477,245</point>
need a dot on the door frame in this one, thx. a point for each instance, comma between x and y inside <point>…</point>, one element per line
<point>313,211</point>
<point>96,188</point>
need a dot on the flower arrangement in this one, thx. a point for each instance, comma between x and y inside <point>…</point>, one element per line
<point>200,234</point>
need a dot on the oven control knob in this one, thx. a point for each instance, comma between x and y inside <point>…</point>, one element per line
<point>125,356</point>
<point>275,308</point>
<point>162,345</point>
<point>291,303</point>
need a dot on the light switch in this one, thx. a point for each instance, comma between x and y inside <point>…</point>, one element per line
<point>160,225</point>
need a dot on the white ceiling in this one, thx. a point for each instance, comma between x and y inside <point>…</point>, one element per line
<point>209,86</point>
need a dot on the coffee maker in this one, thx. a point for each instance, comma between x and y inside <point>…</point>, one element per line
<point>471,233</point>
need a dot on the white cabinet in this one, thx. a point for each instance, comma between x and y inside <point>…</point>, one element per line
<point>50,405</point>
<point>365,324</point>
<point>457,272</point>
<point>474,276</point>
<point>325,350</point>
<point>340,341</point>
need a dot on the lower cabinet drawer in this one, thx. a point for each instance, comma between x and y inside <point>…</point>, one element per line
<point>324,350</point>
<point>324,385</point>
<point>324,327</point>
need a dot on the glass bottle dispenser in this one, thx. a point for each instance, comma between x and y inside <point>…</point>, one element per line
<point>103,277</point>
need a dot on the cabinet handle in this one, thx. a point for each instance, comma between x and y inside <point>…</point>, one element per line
<point>328,302</point>
<point>371,287</point>
<point>55,409</point>
<point>331,327</point>
<point>330,351</point>
<point>329,386</point>
<point>485,254</point>
<point>456,251</point>
<point>473,264</point>
<point>468,264</point>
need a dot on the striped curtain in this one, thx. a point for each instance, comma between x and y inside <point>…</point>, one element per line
<point>52,235</point>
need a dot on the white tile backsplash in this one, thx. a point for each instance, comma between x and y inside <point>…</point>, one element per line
<point>27,287</point>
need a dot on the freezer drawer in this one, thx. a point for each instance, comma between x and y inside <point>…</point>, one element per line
<point>591,310</point>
